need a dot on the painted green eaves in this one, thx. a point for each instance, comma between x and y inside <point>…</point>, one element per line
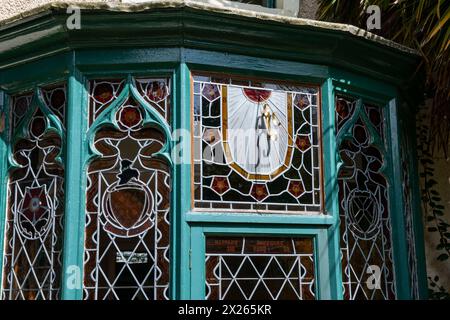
<point>190,24</point>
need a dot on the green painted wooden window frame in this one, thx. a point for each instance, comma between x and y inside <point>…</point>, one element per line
<point>188,227</point>
<point>198,244</point>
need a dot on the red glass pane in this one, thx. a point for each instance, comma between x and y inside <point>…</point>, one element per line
<point>256,95</point>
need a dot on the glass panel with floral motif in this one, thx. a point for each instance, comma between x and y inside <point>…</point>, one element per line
<point>128,198</point>
<point>34,222</point>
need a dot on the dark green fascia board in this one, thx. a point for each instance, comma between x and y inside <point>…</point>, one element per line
<point>46,70</point>
<point>188,27</point>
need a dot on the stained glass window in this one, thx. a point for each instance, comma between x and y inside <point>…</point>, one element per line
<point>366,243</point>
<point>128,195</point>
<point>155,91</point>
<point>34,222</point>
<point>244,268</point>
<point>256,146</point>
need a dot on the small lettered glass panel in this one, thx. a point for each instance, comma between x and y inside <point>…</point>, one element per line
<point>256,146</point>
<point>251,268</point>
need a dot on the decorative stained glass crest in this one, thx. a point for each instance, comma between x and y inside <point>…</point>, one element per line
<point>245,268</point>
<point>128,196</point>
<point>366,244</point>
<point>34,223</point>
<point>256,146</point>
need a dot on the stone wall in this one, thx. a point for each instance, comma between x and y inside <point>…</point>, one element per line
<point>435,267</point>
<point>441,166</point>
<point>10,8</point>
<point>307,9</point>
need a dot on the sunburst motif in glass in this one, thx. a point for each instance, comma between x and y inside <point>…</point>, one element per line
<point>256,146</point>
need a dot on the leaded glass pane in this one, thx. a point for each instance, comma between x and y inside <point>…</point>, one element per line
<point>366,244</point>
<point>34,222</point>
<point>245,268</point>
<point>256,146</point>
<point>128,201</point>
<point>157,93</point>
<point>101,94</point>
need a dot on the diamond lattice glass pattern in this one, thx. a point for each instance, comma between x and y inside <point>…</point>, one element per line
<point>34,223</point>
<point>248,268</point>
<point>256,146</point>
<point>366,244</point>
<point>128,201</point>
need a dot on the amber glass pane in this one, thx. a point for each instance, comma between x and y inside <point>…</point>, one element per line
<point>259,268</point>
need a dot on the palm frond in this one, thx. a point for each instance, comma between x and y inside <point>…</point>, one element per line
<point>420,24</point>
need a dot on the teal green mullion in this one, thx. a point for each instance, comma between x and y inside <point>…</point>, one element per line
<point>325,282</point>
<point>75,186</point>
<point>400,248</point>
<point>417,209</point>
<point>197,263</point>
<point>181,187</point>
<point>4,141</point>
<point>331,188</point>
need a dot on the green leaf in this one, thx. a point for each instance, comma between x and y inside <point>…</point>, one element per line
<point>438,26</point>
